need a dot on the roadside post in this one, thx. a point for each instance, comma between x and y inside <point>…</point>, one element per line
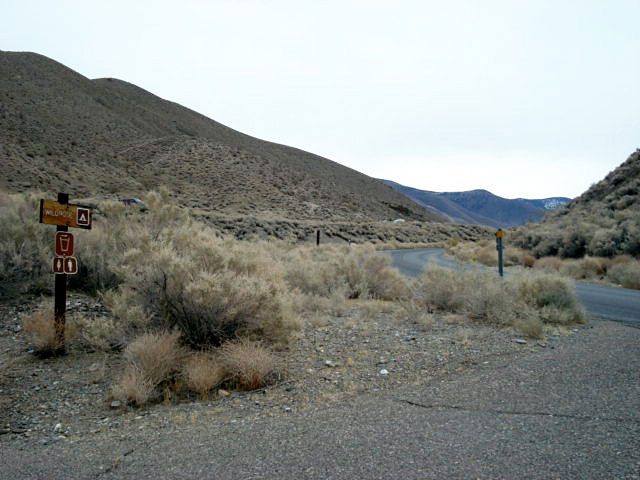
<point>499,236</point>
<point>317,237</point>
<point>63,215</point>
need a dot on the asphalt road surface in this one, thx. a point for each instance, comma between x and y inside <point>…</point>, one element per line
<point>617,304</point>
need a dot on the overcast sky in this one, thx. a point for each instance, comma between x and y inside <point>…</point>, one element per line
<point>523,98</point>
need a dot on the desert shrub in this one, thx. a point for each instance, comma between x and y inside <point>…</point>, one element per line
<point>313,271</point>
<point>626,274</point>
<point>213,290</point>
<point>575,241</point>
<point>483,296</point>
<point>25,246</point>
<point>208,307</point>
<point>98,256</point>
<point>440,289</point>
<point>370,275</point>
<point>530,324</point>
<point>549,264</point>
<point>528,261</point>
<point>248,364</point>
<point>487,255</point>
<point>552,295</point>
<point>490,299</point>
<point>604,243</point>
<point>584,268</point>
<point>353,272</point>
<point>202,372</point>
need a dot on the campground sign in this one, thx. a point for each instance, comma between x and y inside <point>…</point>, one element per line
<point>65,215</point>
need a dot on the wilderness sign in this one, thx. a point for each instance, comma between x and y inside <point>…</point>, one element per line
<point>66,215</point>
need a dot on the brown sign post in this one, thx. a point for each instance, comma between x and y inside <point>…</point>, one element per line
<point>63,215</point>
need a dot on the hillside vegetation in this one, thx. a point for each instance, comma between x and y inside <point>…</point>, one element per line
<point>596,237</point>
<point>604,221</point>
<point>60,131</point>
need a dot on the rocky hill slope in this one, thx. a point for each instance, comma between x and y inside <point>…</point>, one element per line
<point>603,221</point>
<point>60,131</point>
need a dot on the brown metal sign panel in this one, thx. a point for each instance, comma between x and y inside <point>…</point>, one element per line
<point>69,215</point>
<point>499,234</point>
<point>64,244</point>
<point>65,265</point>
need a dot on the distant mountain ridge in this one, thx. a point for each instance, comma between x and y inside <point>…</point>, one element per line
<point>481,207</point>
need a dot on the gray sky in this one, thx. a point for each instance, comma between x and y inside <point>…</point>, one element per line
<point>523,98</point>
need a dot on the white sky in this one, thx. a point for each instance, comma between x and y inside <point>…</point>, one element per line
<point>524,98</point>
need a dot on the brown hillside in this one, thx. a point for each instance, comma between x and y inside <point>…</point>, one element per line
<point>603,221</point>
<point>60,131</point>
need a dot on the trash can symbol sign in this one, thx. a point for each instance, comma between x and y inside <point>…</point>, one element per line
<point>64,244</point>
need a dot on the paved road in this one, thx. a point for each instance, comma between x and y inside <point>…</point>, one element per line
<point>617,304</point>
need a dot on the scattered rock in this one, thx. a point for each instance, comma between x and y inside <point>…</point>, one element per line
<point>116,404</point>
<point>521,341</point>
<point>542,344</point>
<point>384,371</point>
<point>58,427</point>
<point>329,363</point>
<point>223,393</point>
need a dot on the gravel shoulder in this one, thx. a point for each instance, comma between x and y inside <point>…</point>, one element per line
<point>365,347</point>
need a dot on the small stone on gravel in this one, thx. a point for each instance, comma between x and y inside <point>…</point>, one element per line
<point>521,341</point>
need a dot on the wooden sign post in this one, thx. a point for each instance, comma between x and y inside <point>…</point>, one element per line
<point>63,215</point>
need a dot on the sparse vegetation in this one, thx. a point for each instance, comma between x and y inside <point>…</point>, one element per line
<point>202,372</point>
<point>602,222</point>
<point>250,365</point>
<point>41,327</point>
<point>524,301</point>
<point>190,307</point>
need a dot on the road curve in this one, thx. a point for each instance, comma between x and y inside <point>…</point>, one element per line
<point>617,304</point>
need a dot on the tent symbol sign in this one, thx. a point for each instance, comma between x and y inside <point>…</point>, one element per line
<point>83,217</point>
<point>68,265</point>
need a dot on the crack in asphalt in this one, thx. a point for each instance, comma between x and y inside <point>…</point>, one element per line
<point>516,412</point>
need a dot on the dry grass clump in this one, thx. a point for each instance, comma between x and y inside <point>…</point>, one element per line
<point>249,364</point>
<point>40,325</point>
<point>158,355</point>
<point>134,387</point>
<point>202,372</point>
<point>626,274</point>
<point>152,359</point>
